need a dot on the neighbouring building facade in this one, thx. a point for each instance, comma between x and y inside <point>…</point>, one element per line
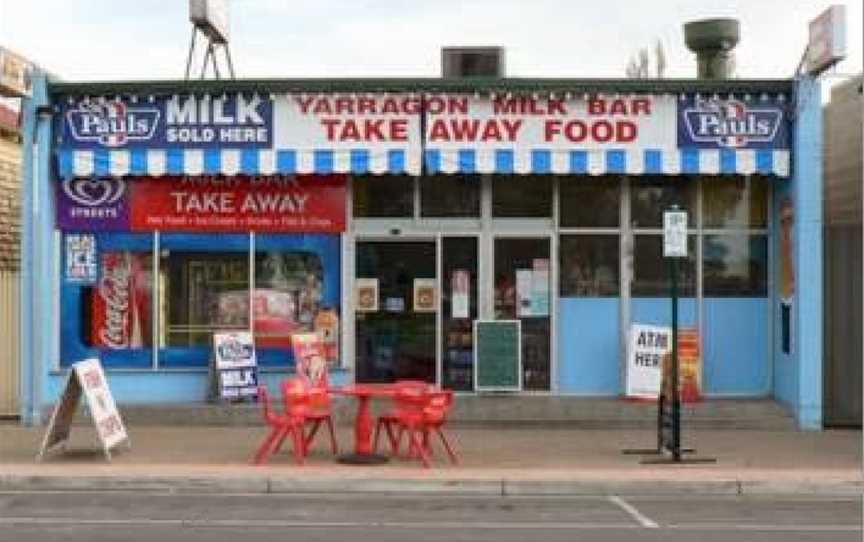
<point>389,214</point>
<point>10,248</point>
<point>844,124</point>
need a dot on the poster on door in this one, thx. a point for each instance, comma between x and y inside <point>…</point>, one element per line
<point>540,287</point>
<point>424,295</point>
<point>460,286</point>
<point>524,292</point>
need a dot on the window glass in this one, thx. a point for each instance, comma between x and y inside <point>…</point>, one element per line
<point>650,196</point>
<point>450,196</point>
<point>589,265</point>
<point>383,196</point>
<point>651,270</point>
<point>589,202</point>
<point>204,292</point>
<point>287,296</point>
<point>522,196</point>
<point>735,201</point>
<point>735,265</point>
<point>106,298</point>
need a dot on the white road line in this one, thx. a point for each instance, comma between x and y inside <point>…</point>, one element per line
<point>461,525</point>
<point>643,520</point>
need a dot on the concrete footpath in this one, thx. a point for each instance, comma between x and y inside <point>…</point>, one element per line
<point>494,461</point>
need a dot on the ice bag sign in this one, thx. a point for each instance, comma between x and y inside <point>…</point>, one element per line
<point>717,123</point>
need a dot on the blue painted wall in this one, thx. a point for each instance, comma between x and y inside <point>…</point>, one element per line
<point>798,375</point>
<point>589,357</point>
<point>736,346</point>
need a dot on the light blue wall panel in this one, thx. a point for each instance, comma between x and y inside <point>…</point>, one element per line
<point>658,311</point>
<point>589,358</point>
<point>736,343</point>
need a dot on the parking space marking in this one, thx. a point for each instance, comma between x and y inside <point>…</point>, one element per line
<point>641,518</point>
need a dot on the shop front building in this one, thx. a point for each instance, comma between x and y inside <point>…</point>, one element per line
<point>389,215</point>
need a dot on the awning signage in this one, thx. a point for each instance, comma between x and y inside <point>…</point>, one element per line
<point>731,124</point>
<point>393,133</point>
<point>218,204</point>
<point>236,121</point>
<point>358,133</point>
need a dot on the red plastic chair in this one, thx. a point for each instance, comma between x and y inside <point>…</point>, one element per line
<point>390,420</point>
<point>435,413</point>
<point>281,425</point>
<point>315,405</point>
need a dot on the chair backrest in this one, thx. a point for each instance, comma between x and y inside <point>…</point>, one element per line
<point>438,404</point>
<point>296,395</point>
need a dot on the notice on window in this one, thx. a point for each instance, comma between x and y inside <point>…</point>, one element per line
<point>366,295</point>
<point>460,288</point>
<point>424,295</point>
<point>540,287</point>
<point>524,292</point>
<point>81,258</point>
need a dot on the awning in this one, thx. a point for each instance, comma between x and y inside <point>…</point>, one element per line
<point>602,162</point>
<point>158,162</point>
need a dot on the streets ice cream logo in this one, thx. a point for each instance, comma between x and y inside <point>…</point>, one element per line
<point>730,123</point>
<point>112,124</point>
<point>94,192</point>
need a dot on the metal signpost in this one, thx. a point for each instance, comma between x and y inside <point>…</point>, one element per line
<point>669,399</point>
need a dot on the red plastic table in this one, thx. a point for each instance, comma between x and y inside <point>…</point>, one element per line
<point>363,423</point>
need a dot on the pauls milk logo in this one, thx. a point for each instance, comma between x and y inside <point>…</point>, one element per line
<point>112,123</point>
<point>730,123</point>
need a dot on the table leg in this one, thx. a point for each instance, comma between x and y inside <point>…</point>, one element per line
<point>363,427</point>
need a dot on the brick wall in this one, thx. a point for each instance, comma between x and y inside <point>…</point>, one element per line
<point>10,200</point>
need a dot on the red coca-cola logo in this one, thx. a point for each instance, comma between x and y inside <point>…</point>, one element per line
<point>115,291</point>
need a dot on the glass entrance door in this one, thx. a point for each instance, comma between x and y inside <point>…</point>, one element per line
<point>458,311</point>
<point>522,291</point>
<point>395,311</point>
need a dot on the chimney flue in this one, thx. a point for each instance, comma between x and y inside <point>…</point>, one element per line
<point>713,40</point>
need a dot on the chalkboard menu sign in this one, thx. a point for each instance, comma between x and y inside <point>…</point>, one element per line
<point>497,355</point>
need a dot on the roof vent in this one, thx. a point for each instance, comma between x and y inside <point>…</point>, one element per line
<point>713,40</point>
<point>472,62</point>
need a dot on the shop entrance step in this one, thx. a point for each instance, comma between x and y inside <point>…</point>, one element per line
<point>510,410</point>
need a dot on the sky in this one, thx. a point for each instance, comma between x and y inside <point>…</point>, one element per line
<point>149,39</point>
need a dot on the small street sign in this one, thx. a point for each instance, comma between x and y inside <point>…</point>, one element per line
<point>675,234</point>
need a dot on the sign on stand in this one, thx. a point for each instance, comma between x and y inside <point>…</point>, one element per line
<point>88,379</point>
<point>647,347</point>
<point>235,366</point>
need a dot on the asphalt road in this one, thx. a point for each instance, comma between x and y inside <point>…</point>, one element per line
<point>139,517</point>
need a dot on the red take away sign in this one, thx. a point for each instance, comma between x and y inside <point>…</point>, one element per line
<point>301,203</point>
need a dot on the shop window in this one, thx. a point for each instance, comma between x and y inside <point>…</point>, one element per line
<point>735,201</point>
<point>522,196</point>
<point>650,196</point>
<point>106,299</point>
<point>589,202</point>
<point>589,266</point>
<point>450,196</point>
<point>651,273</point>
<point>289,298</point>
<point>383,196</point>
<point>203,293</point>
<point>735,265</point>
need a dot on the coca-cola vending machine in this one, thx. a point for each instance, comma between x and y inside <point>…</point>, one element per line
<point>121,301</point>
